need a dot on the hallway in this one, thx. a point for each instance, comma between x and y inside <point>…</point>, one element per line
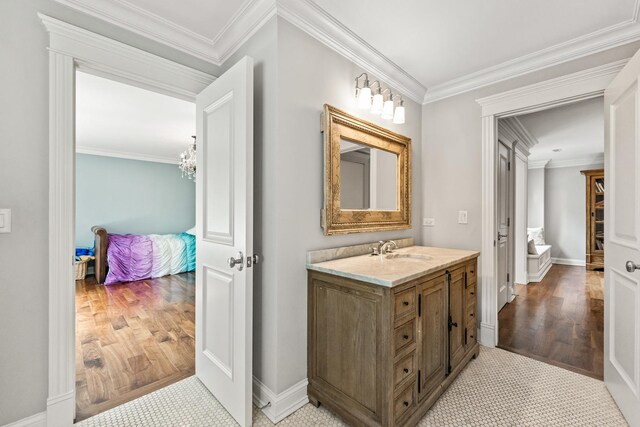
<point>559,320</point>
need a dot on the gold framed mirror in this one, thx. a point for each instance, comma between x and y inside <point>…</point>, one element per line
<point>367,176</point>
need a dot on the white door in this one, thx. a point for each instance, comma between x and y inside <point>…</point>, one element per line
<point>224,230</point>
<point>502,239</point>
<point>622,241</point>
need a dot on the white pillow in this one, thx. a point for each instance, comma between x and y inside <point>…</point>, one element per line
<point>191,231</point>
<point>531,247</point>
<point>537,234</point>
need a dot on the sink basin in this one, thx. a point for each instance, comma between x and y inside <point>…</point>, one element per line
<point>408,257</point>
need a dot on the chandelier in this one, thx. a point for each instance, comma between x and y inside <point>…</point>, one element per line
<point>188,161</point>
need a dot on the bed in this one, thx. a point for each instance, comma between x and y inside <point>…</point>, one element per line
<point>129,257</point>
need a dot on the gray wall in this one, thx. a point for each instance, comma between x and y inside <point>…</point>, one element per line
<point>310,75</point>
<point>564,215</point>
<point>24,185</point>
<point>536,199</point>
<point>451,157</point>
<point>131,196</point>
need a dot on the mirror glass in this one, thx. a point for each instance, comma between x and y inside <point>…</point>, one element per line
<point>368,177</point>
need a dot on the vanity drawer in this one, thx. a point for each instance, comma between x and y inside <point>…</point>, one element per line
<point>404,369</point>
<point>404,336</point>
<point>471,295</point>
<point>471,332</point>
<point>404,305</point>
<point>472,273</point>
<point>405,401</point>
<point>471,314</point>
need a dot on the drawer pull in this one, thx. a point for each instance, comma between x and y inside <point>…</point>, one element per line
<point>406,370</point>
<point>472,293</point>
<point>470,314</point>
<point>406,337</point>
<point>405,403</point>
<point>405,302</point>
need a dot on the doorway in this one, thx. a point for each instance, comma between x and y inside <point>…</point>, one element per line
<point>72,49</point>
<point>556,314</point>
<point>135,243</point>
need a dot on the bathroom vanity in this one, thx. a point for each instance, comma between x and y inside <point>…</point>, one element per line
<point>389,333</point>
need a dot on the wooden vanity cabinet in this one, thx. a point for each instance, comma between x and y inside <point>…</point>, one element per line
<point>380,356</point>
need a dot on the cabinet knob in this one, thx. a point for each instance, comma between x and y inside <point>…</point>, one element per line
<point>405,403</point>
<point>405,302</point>
<point>406,337</point>
<point>406,370</point>
<point>472,293</point>
<point>470,314</point>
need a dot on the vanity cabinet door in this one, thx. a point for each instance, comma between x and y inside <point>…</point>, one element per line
<point>432,320</point>
<point>457,321</point>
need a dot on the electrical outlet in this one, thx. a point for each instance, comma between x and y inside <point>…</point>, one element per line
<point>5,220</point>
<point>428,222</point>
<point>462,217</point>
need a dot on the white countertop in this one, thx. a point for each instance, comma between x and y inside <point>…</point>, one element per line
<point>394,269</point>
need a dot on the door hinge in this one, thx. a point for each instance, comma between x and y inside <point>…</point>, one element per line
<point>419,381</point>
<point>508,277</point>
<point>419,305</point>
<point>508,222</point>
<point>509,166</point>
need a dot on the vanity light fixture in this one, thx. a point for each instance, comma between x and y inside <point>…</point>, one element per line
<point>366,99</point>
<point>378,100</point>
<point>398,115</point>
<point>387,110</point>
<point>363,93</point>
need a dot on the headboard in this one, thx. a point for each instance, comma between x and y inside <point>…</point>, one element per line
<point>102,241</point>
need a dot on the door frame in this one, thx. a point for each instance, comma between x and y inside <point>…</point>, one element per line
<point>511,146</point>
<point>563,90</point>
<point>72,48</point>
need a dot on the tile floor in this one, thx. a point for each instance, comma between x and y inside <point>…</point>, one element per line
<point>499,388</point>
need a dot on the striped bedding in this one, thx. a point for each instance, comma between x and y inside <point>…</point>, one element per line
<point>135,256</point>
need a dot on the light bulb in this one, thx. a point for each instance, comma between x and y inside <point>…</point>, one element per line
<point>387,110</point>
<point>378,101</point>
<point>364,98</point>
<point>398,116</point>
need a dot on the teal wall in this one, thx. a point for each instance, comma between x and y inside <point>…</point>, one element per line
<point>131,196</point>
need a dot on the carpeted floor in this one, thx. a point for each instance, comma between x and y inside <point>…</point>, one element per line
<point>499,388</point>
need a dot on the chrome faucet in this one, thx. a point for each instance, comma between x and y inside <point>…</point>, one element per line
<point>384,246</point>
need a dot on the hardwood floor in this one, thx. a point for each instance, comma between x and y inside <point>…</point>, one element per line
<point>132,339</point>
<point>559,320</point>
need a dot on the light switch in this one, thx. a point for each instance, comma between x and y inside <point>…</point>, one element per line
<point>428,222</point>
<point>5,220</point>
<point>462,217</point>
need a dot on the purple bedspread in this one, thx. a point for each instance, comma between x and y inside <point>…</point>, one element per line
<point>130,257</point>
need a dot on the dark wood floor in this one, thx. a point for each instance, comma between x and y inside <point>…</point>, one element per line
<point>132,339</point>
<point>559,320</point>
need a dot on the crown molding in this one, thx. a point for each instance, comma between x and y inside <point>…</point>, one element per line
<point>315,21</point>
<point>607,38</point>
<point>597,159</point>
<point>513,129</point>
<point>242,25</point>
<point>537,164</point>
<point>125,155</point>
<point>590,81</point>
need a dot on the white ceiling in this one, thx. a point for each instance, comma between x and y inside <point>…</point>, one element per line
<point>577,129</point>
<point>436,41</point>
<point>447,47</point>
<point>119,120</point>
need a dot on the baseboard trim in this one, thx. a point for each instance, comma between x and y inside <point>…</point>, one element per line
<point>61,409</point>
<point>487,335</point>
<point>37,420</point>
<point>277,407</point>
<point>569,261</point>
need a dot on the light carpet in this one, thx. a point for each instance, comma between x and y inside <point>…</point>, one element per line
<point>497,389</point>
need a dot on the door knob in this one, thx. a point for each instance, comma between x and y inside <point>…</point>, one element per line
<point>632,266</point>
<point>239,261</point>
